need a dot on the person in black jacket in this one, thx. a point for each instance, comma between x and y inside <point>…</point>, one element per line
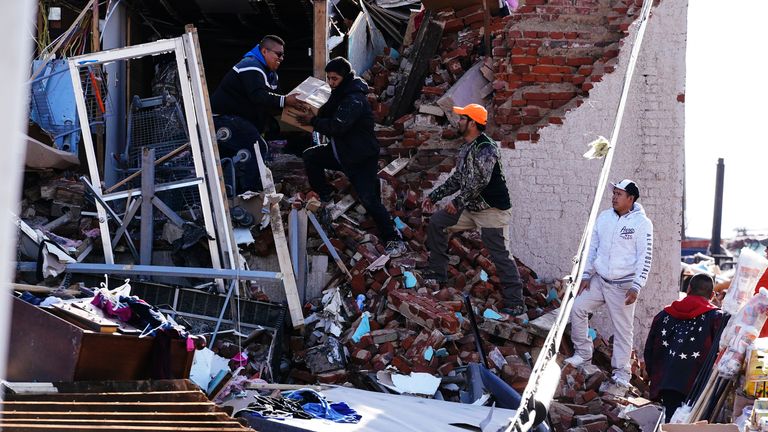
<point>347,121</point>
<point>681,335</point>
<point>243,102</point>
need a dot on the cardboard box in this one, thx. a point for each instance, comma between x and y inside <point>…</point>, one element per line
<point>315,93</point>
<point>699,427</point>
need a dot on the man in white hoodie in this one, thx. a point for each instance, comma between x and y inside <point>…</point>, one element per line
<point>617,268</point>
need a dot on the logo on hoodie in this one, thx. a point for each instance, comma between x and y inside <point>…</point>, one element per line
<point>627,233</point>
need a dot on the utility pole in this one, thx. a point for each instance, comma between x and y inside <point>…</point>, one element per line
<point>717,218</point>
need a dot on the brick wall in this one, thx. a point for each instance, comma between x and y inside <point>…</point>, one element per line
<point>552,184</point>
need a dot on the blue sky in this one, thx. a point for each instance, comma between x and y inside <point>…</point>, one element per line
<point>726,114</point>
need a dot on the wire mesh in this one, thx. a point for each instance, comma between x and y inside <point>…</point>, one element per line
<point>95,92</point>
<point>158,123</point>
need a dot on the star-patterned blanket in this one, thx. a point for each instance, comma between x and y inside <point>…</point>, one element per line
<point>678,342</point>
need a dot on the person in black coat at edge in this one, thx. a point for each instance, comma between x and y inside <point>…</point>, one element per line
<point>347,121</point>
<point>680,337</point>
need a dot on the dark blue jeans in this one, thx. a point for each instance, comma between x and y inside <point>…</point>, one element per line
<point>364,179</point>
<point>234,133</point>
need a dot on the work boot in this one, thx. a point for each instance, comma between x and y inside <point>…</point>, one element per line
<point>515,310</point>
<point>325,219</point>
<point>395,248</point>
<point>432,278</point>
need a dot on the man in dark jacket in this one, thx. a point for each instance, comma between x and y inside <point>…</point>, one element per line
<point>482,202</point>
<point>347,121</point>
<point>243,102</point>
<point>680,337</point>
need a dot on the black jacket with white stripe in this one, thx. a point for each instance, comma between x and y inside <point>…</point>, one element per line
<point>248,90</point>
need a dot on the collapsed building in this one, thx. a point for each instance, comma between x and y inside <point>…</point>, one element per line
<point>551,74</point>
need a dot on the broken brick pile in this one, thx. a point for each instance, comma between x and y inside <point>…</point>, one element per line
<point>426,328</point>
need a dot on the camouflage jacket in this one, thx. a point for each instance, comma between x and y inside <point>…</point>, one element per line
<point>474,167</point>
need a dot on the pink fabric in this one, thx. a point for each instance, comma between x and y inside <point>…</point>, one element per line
<point>121,312</point>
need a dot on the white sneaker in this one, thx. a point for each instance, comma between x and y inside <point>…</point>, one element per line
<point>576,360</point>
<point>621,382</point>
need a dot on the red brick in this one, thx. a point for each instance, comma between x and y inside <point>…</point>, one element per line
<point>401,364</point>
<point>476,17</point>
<point>562,95</point>
<point>545,69</point>
<point>536,96</point>
<point>499,52</point>
<point>360,356</point>
<point>516,60</point>
<point>578,61</point>
<point>434,91</point>
<point>469,10</point>
<point>380,361</point>
<point>453,25</point>
<point>333,377</point>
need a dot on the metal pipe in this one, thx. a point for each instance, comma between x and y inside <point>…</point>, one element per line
<point>158,188</point>
<point>154,270</point>
<point>475,330</point>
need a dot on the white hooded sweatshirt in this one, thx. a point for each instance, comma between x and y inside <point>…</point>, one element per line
<point>621,250</point>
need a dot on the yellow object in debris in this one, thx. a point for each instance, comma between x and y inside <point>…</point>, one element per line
<point>598,148</point>
<point>756,374</point>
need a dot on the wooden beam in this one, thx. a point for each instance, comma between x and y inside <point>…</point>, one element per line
<point>95,44</point>
<point>320,39</point>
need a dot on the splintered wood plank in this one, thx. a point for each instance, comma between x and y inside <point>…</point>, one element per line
<point>281,243</point>
<point>395,166</point>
